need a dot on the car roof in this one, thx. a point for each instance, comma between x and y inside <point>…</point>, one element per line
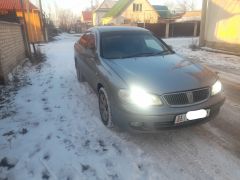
<point>117,28</point>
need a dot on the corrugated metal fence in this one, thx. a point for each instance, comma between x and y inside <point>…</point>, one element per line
<point>176,29</point>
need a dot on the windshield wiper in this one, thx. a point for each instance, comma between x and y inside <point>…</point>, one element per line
<point>146,54</point>
<point>139,55</point>
<point>161,52</point>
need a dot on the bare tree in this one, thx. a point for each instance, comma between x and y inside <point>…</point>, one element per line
<point>96,2</point>
<point>66,19</point>
<point>187,5</point>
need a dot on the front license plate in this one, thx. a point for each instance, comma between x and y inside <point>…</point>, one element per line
<point>192,115</point>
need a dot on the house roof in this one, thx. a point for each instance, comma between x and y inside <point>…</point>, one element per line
<point>118,8</point>
<point>163,11</point>
<point>191,16</point>
<point>87,16</point>
<point>106,5</point>
<point>15,5</point>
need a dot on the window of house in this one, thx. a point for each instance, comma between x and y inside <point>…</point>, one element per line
<point>137,7</point>
<point>134,7</point>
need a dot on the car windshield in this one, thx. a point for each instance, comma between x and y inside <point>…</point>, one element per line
<point>117,45</point>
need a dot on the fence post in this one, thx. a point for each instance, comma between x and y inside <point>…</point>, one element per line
<point>167,30</point>
<point>195,29</point>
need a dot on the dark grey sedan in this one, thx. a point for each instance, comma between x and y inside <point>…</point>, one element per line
<point>141,83</point>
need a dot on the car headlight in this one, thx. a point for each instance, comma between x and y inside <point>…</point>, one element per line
<point>139,97</point>
<point>216,88</point>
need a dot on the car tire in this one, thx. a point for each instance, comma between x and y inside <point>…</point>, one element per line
<point>79,74</point>
<point>105,108</point>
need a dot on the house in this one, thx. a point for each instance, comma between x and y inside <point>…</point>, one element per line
<point>33,20</point>
<point>131,11</point>
<point>220,27</point>
<point>101,10</point>
<point>86,18</point>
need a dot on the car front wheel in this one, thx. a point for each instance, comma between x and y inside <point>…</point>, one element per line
<point>105,108</point>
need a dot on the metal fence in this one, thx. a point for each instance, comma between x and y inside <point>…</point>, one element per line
<point>176,29</point>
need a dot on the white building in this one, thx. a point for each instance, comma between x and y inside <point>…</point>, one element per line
<point>220,27</point>
<point>101,10</point>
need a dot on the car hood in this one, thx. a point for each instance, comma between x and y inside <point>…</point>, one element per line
<point>163,74</point>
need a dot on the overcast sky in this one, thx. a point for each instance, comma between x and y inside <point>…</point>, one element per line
<point>76,6</point>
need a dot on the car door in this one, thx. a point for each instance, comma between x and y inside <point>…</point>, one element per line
<point>80,53</point>
<point>90,59</point>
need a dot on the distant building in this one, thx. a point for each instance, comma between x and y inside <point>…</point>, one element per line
<point>101,10</point>
<point>86,18</point>
<point>221,25</point>
<point>131,11</point>
<point>11,8</point>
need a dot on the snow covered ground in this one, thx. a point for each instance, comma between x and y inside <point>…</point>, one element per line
<point>220,62</point>
<point>50,129</point>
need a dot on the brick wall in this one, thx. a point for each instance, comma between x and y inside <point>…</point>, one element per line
<point>12,49</point>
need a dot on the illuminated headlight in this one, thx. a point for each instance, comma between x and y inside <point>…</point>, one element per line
<point>139,97</point>
<point>216,88</point>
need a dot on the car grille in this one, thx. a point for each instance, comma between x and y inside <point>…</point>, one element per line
<point>188,97</point>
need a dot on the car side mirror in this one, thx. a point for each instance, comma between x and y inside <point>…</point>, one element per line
<point>170,46</point>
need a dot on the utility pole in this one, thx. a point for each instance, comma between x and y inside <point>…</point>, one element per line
<point>203,23</point>
<point>29,18</point>
<point>92,5</point>
<point>30,27</point>
<point>43,22</point>
<point>25,31</point>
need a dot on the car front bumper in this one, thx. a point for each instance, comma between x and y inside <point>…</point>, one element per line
<point>163,117</point>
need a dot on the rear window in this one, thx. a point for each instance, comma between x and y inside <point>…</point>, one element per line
<point>115,45</point>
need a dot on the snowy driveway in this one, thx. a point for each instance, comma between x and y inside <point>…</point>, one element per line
<point>54,132</point>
